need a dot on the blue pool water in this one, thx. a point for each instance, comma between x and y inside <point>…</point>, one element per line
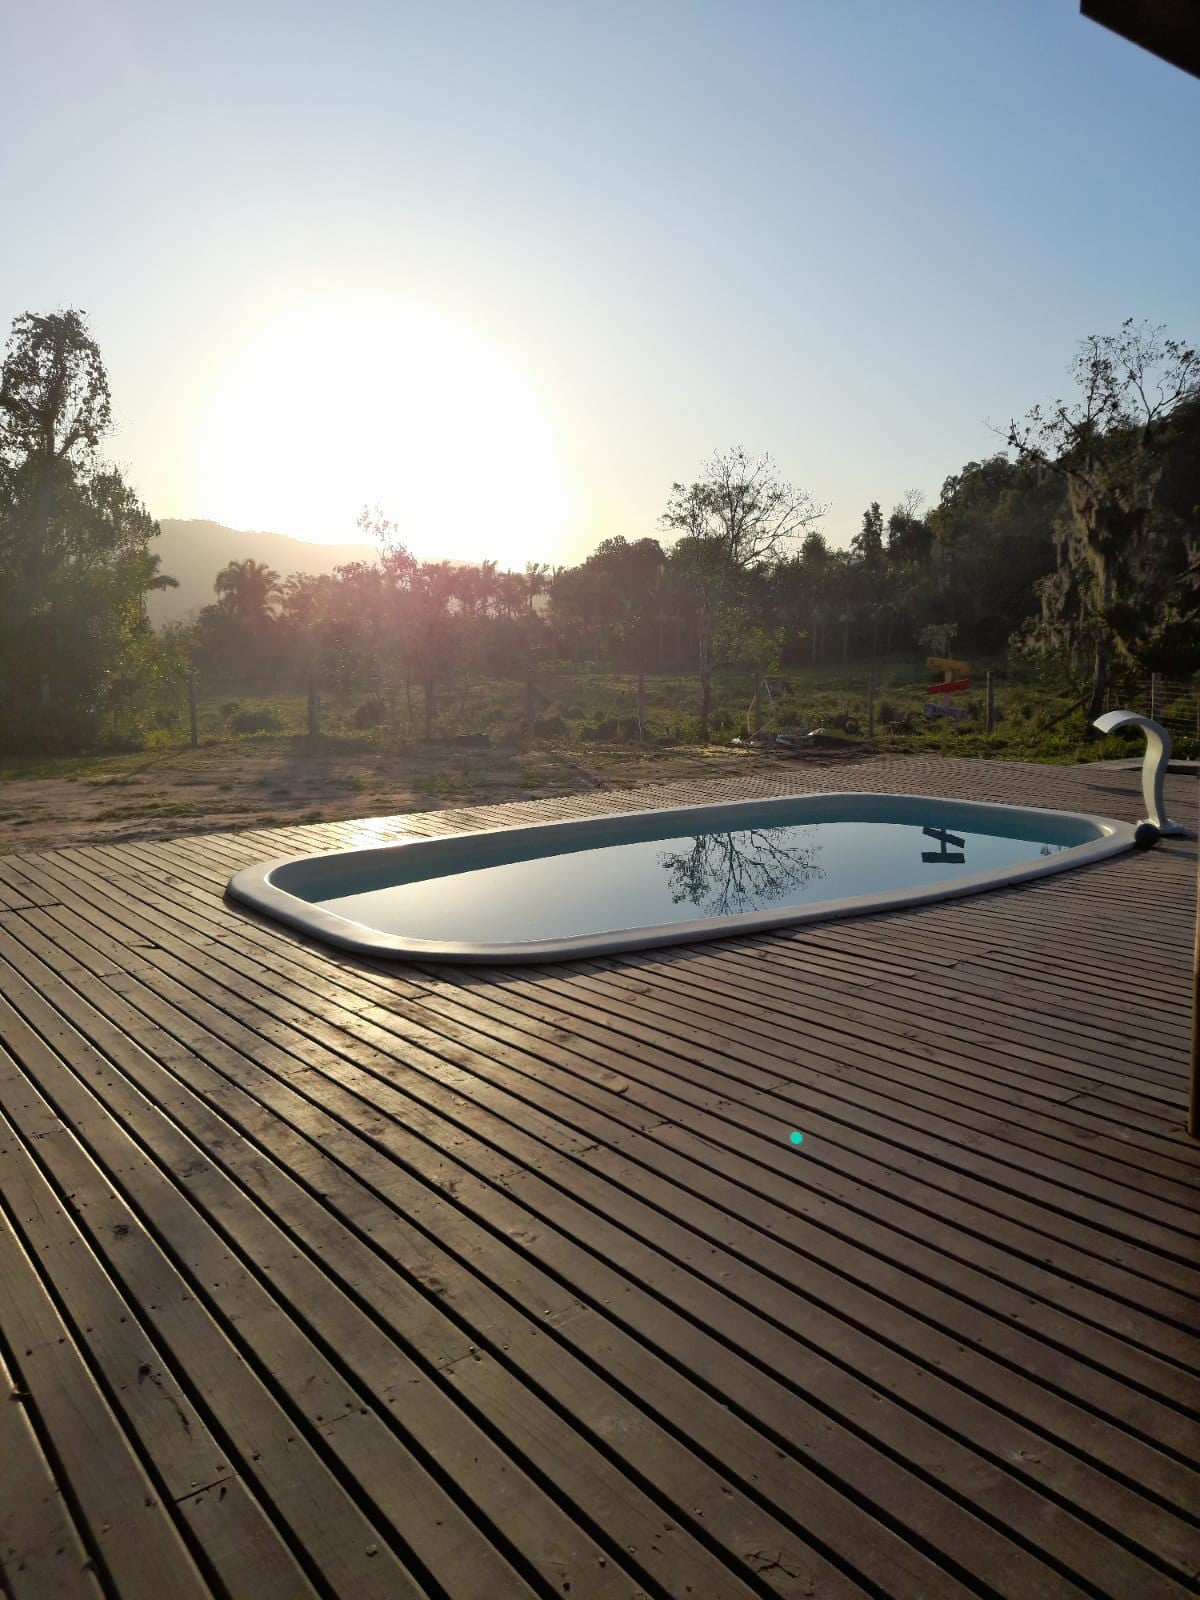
<point>652,882</point>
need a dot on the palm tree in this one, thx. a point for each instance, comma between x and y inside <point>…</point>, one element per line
<point>511,594</point>
<point>486,591</point>
<point>249,589</point>
<point>432,587</point>
<point>536,582</point>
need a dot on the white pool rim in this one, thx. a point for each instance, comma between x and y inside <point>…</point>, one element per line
<point>257,886</point>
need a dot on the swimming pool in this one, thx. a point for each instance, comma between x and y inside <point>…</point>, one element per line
<point>643,878</point>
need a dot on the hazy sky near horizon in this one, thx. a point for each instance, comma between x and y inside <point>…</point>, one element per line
<point>509,269</point>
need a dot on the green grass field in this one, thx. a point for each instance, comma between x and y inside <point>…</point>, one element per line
<point>581,707</point>
<point>590,705</point>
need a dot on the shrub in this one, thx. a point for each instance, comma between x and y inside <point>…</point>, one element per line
<point>46,730</point>
<point>610,731</point>
<point>256,719</point>
<point>371,714</point>
<point>550,728</point>
<point>121,741</point>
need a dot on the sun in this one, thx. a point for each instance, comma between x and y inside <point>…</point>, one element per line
<point>333,406</point>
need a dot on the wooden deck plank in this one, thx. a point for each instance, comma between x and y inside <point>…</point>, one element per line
<point>942,1016</point>
<point>682,1567</point>
<point>1071,1081</point>
<point>239,1542</point>
<point>808,952</point>
<point>343,1544</point>
<point>42,1555</point>
<point>139,1545</point>
<point>296,973</point>
<point>947,1350</point>
<point>1152,1369</point>
<point>679,1030</point>
<point>433,1007</point>
<point>858,1539</point>
<point>724,1060</point>
<point>730,1002</point>
<point>432,1527</point>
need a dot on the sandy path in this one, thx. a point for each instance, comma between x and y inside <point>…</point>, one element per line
<point>264,783</point>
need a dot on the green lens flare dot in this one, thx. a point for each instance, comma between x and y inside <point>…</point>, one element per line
<point>796,1138</point>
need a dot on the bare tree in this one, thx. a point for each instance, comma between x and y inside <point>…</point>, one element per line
<point>744,506</point>
<point>909,504</point>
<point>739,515</point>
<point>726,873</point>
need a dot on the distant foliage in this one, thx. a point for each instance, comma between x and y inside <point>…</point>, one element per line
<point>371,714</point>
<point>1125,449</point>
<point>77,654</point>
<point>749,581</point>
<point>1079,543</point>
<point>257,719</point>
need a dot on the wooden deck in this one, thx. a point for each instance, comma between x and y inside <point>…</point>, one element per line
<point>324,1277</point>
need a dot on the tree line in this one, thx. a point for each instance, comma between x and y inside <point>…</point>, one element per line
<point>1076,542</point>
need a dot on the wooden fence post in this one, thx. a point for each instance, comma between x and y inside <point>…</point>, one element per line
<point>193,709</point>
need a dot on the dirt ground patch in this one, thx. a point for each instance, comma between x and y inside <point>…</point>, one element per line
<point>271,783</point>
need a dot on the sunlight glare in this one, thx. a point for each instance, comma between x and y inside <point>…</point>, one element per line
<point>333,406</point>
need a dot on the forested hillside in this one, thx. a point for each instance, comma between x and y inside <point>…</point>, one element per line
<point>193,550</point>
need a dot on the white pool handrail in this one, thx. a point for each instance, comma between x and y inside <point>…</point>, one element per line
<point>1154,767</point>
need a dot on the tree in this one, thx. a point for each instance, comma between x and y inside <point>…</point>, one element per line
<point>236,638</point>
<point>909,536</point>
<point>249,590</point>
<point>55,407</point>
<point>536,582</point>
<point>804,583</point>
<point>1110,445</point>
<point>867,543</point>
<point>991,541</point>
<point>722,874</point>
<point>75,560</point>
<point>739,515</point>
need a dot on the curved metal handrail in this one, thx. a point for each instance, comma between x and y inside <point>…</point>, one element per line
<point>1154,766</point>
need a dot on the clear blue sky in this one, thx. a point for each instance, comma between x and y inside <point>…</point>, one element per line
<point>845,234</point>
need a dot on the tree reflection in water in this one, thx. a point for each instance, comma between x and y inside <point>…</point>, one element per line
<point>726,873</point>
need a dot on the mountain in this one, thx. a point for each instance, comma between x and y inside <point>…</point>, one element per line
<point>195,551</point>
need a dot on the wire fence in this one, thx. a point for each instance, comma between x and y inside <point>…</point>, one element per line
<point>893,700</point>
<point>1175,702</point>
